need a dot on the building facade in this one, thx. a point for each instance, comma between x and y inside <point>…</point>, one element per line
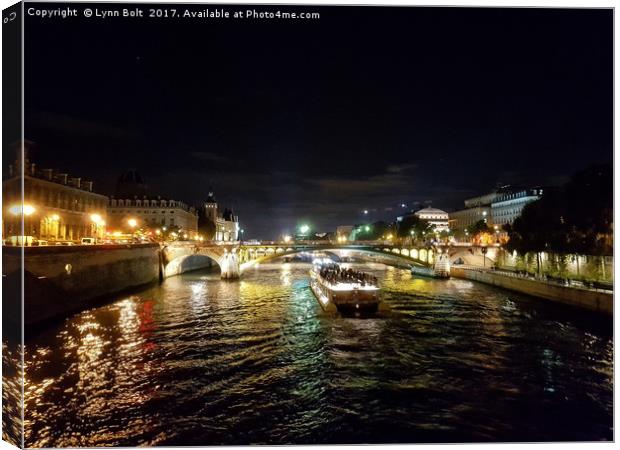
<point>464,218</point>
<point>483,200</point>
<point>476,209</point>
<point>508,206</point>
<point>496,209</point>
<point>150,212</point>
<point>222,226</point>
<point>436,217</point>
<point>132,207</point>
<point>57,207</point>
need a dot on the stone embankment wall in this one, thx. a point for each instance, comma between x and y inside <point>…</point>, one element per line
<point>595,300</point>
<point>61,280</point>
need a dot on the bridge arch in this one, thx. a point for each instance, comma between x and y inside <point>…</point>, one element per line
<point>187,263</point>
<point>389,256</point>
<point>183,258</point>
<point>234,258</point>
<point>423,254</point>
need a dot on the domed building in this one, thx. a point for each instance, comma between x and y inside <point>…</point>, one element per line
<point>436,217</point>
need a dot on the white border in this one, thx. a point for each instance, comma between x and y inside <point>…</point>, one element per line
<point>458,3</point>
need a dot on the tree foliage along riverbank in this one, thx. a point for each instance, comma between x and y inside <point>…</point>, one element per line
<point>576,218</point>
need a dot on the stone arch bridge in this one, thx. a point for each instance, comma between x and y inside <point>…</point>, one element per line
<point>234,258</point>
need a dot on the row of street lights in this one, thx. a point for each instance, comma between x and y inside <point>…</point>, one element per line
<point>28,210</point>
<point>99,224</point>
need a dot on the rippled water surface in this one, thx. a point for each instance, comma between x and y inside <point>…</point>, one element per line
<point>197,360</point>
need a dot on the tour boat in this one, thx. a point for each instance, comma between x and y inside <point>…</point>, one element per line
<point>344,296</point>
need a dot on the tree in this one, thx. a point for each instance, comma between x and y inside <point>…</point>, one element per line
<point>576,218</point>
<point>445,234</point>
<point>479,228</point>
<point>413,223</point>
<point>541,226</point>
<point>590,210</point>
<point>480,232</point>
<point>370,232</point>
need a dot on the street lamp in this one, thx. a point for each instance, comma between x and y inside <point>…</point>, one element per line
<point>132,223</point>
<point>26,209</point>
<point>98,221</point>
<point>23,210</point>
<point>241,231</point>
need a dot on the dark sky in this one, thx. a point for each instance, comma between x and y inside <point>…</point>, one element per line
<point>316,120</point>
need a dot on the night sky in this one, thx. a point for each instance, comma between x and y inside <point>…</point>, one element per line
<point>316,120</point>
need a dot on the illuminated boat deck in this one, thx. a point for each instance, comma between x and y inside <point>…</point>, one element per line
<point>348,286</point>
<point>344,295</point>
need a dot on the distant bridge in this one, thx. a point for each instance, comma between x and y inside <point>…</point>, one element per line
<point>233,258</point>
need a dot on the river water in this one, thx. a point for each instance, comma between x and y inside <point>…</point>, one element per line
<point>201,361</point>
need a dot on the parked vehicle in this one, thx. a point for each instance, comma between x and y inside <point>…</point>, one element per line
<point>88,241</point>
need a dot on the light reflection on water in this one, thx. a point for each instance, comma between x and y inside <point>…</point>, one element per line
<point>197,360</point>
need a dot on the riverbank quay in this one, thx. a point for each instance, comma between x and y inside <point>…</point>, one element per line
<point>599,300</point>
<point>59,281</point>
